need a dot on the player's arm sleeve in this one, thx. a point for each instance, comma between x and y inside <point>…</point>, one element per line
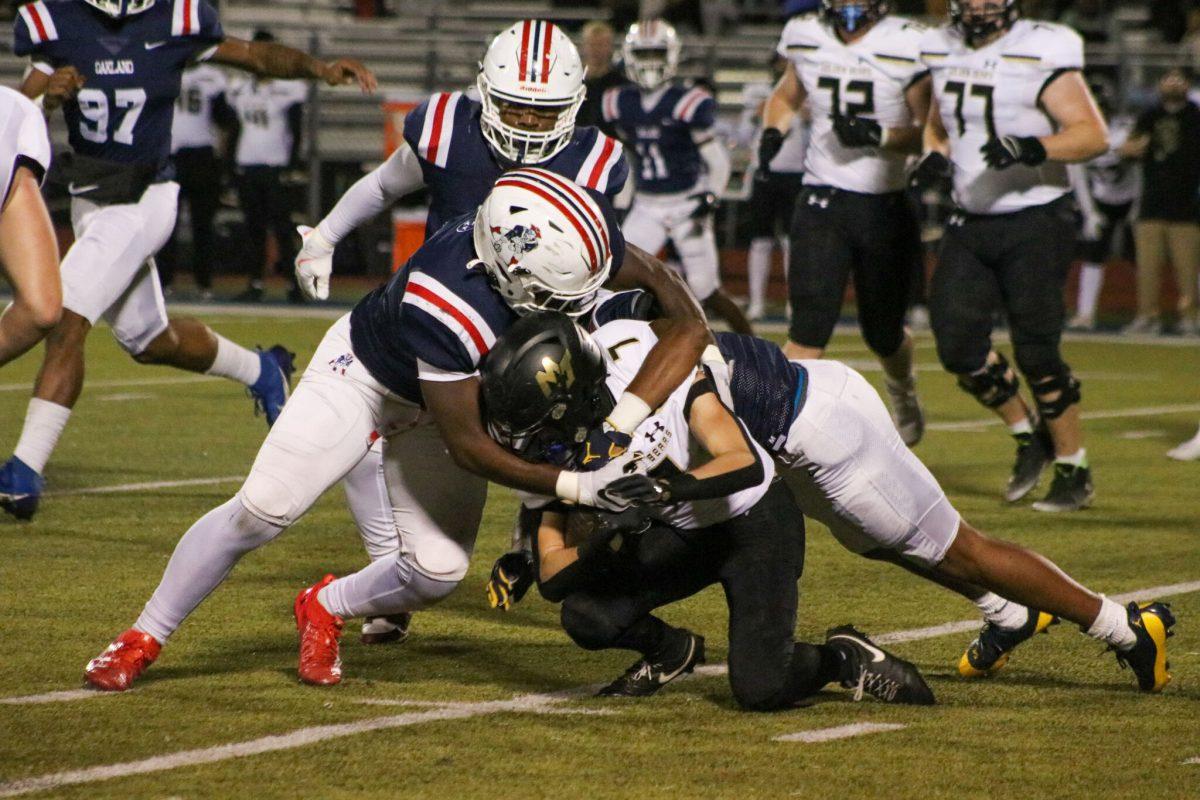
<point>1063,53</point>
<point>718,165</point>
<point>444,351</point>
<point>618,176</point>
<point>399,175</point>
<point>199,21</point>
<point>698,110</point>
<point>616,240</point>
<point>630,304</point>
<point>32,31</point>
<point>33,151</point>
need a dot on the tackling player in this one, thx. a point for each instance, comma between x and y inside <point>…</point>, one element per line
<point>682,168</point>
<point>114,67</point>
<point>858,68</point>
<point>28,248</point>
<point>403,364</point>
<point>1012,111</point>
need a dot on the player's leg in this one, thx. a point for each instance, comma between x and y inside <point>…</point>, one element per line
<point>437,507</point>
<point>324,430</point>
<point>205,199</point>
<point>761,230</point>
<point>1039,246</point>
<point>645,226</point>
<point>29,257</point>
<point>962,330</point>
<point>1150,237</point>
<point>696,242</point>
<point>818,266</point>
<point>251,198</point>
<point>1184,244</point>
<point>1094,255</point>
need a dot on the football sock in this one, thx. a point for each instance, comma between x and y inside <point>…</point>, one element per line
<point>235,362</point>
<point>1076,459</point>
<point>383,587</point>
<point>813,667</point>
<point>653,638</point>
<point>367,496</point>
<point>44,423</point>
<point>1091,278</point>
<point>758,269</point>
<point>202,559</point>
<point>1022,426</point>
<point>1112,625</point>
<point>1001,612</point>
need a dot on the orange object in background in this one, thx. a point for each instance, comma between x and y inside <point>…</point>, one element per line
<point>408,233</point>
<point>395,109</point>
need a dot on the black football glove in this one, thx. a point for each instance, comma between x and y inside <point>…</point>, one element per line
<point>1002,153</point>
<point>934,171</point>
<point>769,146</point>
<point>857,131</point>
<point>636,490</point>
<point>512,575</point>
<point>601,446</point>
<point>706,205</point>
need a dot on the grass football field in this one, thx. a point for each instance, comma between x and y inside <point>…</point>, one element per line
<point>482,704</point>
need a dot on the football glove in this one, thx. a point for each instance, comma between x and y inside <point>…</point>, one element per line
<point>932,172</point>
<point>769,145</point>
<point>1091,229</point>
<point>636,490</point>
<point>857,131</point>
<point>314,264</point>
<point>614,531</point>
<point>1005,151</point>
<point>706,205</point>
<point>512,575</point>
<point>601,446</point>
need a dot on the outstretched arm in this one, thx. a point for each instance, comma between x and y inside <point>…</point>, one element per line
<point>273,60</point>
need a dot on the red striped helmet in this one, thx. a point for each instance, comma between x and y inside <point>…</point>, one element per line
<point>543,241</point>
<point>651,53</point>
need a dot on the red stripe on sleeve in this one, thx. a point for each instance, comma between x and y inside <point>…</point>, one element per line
<point>594,178</point>
<point>435,135</point>
<point>445,305</point>
<point>187,17</point>
<point>37,22</point>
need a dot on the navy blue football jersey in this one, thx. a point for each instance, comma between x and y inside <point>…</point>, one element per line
<point>459,167</point>
<point>768,390</point>
<point>439,314</point>
<point>661,126</point>
<point>132,67</point>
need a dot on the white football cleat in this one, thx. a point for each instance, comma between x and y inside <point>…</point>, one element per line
<point>906,409</point>
<point>1188,451</point>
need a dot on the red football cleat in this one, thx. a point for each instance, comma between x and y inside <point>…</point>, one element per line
<point>122,662</point>
<point>320,664</point>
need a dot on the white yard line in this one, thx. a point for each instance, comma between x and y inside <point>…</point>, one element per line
<point>545,703</point>
<point>1195,760</point>
<point>141,487</point>
<point>1116,413</point>
<point>840,732</point>
<point>53,697</point>
<point>117,383</point>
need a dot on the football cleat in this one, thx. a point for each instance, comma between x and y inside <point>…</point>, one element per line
<point>988,654</point>
<point>1071,489</point>
<point>383,630</point>
<point>1151,623</point>
<point>122,662</point>
<point>868,669</point>
<point>646,677</point>
<point>320,662</point>
<point>1188,451</point>
<point>20,488</point>
<point>271,389</point>
<point>907,413</point>
<point>1035,452</point>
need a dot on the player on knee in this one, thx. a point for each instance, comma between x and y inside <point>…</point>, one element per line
<point>28,248</point>
<point>1005,136</point>
<point>682,169</point>
<point>404,365</point>
<point>114,68</point>
<point>723,520</point>
<point>858,68</point>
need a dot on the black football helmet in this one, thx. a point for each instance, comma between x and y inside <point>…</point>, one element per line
<point>979,23</point>
<point>543,388</point>
<point>850,15</point>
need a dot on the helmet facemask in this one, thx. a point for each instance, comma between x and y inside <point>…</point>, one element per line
<point>118,9</point>
<point>977,24</point>
<point>651,53</point>
<point>526,145</point>
<point>852,15</point>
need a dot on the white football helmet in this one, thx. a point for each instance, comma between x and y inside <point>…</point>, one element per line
<point>543,241</point>
<point>121,8</point>
<point>651,53</point>
<point>532,63</point>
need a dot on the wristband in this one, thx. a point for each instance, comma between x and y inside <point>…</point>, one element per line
<point>567,486</point>
<point>629,412</point>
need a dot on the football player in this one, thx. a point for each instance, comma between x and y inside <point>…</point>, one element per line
<point>28,248</point>
<point>404,365</point>
<point>722,520</point>
<point>114,68</point>
<point>682,167</point>
<point>858,68</point>
<point>1012,110</point>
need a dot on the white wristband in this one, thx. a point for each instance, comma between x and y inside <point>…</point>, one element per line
<point>712,355</point>
<point>629,412</point>
<point>885,135</point>
<point>567,486</point>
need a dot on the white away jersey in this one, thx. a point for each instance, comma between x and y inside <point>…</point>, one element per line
<point>192,125</point>
<point>662,445</point>
<point>995,91</point>
<point>262,108</point>
<point>790,158</point>
<point>866,78</point>
<point>23,139</point>
<point>1111,178</point>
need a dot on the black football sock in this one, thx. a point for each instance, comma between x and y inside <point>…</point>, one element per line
<point>646,636</point>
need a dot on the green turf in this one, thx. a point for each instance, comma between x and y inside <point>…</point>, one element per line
<point>1061,721</point>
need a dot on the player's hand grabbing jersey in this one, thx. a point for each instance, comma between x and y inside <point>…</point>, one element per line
<point>131,71</point>
<point>23,140</point>
<point>459,167</point>
<point>866,78</point>
<point>663,126</point>
<point>995,91</point>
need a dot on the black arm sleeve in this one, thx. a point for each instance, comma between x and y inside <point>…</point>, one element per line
<point>687,487</point>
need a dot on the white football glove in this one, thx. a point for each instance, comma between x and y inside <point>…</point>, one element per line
<point>587,488</point>
<point>314,264</point>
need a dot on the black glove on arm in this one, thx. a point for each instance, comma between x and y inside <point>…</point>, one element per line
<point>932,170</point>
<point>857,131</point>
<point>769,146</point>
<point>1005,151</point>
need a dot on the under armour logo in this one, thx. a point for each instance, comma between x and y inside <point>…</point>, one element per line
<point>652,435</point>
<point>818,201</point>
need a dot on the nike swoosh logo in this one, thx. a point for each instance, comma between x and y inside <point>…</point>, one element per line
<point>73,189</point>
<point>153,45</point>
<point>877,655</point>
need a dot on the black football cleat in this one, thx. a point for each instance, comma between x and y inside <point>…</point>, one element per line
<point>868,669</point>
<point>988,654</point>
<point>646,677</point>
<point>1151,623</point>
<point>1035,452</point>
<point>1071,489</point>
<point>393,628</point>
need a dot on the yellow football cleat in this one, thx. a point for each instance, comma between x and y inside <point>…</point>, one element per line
<point>988,654</point>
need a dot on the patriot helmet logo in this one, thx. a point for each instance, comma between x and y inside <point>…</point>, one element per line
<point>514,242</point>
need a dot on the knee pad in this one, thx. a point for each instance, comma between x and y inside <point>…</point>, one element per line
<point>1054,393</point>
<point>423,590</point>
<point>992,386</point>
<point>271,499</point>
<point>586,624</point>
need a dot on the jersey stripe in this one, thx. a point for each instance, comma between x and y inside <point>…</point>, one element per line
<point>438,129</point>
<point>38,22</point>
<point>523,60</point>
<point>598,163</point>
<point>478,338</point>
<point>608,104</point>
<point>185,17</point>
<point>687,105</point>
